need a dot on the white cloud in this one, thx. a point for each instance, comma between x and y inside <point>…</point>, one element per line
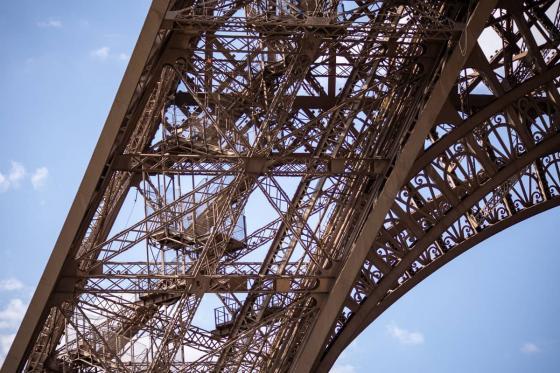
<point>404,336</point>
<point>10,284</point>
<point>343,368</point>
<point>12,314</point>
<point>101,53</point>
<point>193,354</point>
<point>13,178</point>
<point>489,42</point>
<point>123,57</point>
<point>17,173</point>
<point>5,343</point>
<point>39,177</point>
<point>52,23</point>
<point>104,53</point>
<point>4,183</point>
<point>529,348</point>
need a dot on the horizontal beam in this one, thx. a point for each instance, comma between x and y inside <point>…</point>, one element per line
<point>326,26</point>
<point>154,284</point>
<point>297,164</point>
<point>300,102</point>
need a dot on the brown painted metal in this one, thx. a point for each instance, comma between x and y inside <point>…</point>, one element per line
<point>379,137</point>
<point>509,177</point>
<point>88,194</point>
<point>332,305</point>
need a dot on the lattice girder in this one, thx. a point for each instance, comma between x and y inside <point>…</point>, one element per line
<point>296,114</point>
<point>480,172</point>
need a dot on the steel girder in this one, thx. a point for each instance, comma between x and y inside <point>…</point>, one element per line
<point>435,218</point>
<point>382,139</point>
<point>482,169</point>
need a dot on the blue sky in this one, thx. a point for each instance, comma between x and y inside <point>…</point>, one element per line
<point>494,309</point>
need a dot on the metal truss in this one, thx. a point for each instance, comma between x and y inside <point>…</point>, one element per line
<point>296,167</point>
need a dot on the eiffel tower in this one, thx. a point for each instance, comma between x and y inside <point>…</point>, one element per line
<point>274,174</point>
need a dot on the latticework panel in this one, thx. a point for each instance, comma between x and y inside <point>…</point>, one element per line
<point>256,142</point>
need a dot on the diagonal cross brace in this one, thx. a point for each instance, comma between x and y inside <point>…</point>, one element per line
<point>330,306</point>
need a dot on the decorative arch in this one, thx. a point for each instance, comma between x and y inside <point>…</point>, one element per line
<point>495,168</point>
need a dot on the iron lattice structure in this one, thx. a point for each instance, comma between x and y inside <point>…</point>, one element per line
<point>298,166</point>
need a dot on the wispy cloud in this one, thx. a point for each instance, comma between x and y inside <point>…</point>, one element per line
<point>405,337</point>
<point>12,314</point>
<point>10,284</point>
<point>101,53</point>
<point>17,173</point>
<point>4,183</point>
<point>52,23</point>
<point>39,177</point>
<point>529,348</point>
<point>105,53</point>
<point>343,368</point>
<point>5,343</point>
<point>123,57</point>
<point>14,177</point>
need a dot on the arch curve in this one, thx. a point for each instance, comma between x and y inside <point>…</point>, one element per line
<point>494,169</point>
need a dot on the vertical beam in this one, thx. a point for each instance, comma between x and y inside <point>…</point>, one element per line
<point>330,307</point>
<point>40,303</point>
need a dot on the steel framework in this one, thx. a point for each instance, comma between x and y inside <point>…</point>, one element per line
<point>368,142</point>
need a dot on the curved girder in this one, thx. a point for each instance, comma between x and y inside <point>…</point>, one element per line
<point>491,170</point>
<point>247,100</point>
<point>252,98</point>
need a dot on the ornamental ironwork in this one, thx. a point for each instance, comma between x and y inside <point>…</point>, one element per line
<point>273,175</point>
